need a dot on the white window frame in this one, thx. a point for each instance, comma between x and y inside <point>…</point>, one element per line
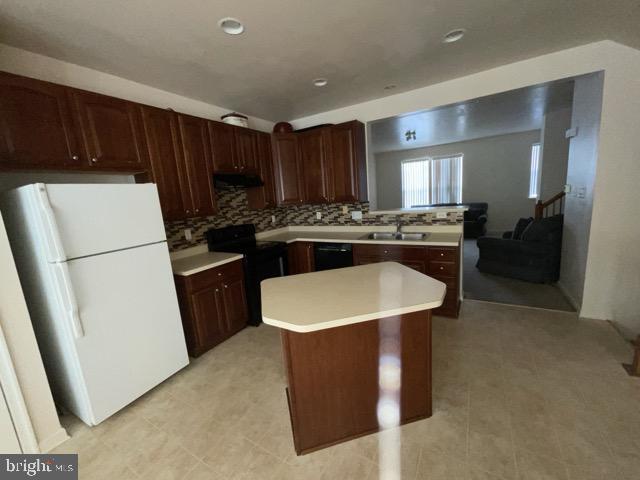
<point>535,171</point>
<point>430,168</point>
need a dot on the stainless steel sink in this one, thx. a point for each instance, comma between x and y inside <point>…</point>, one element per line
<point>412,236</point>
<point>415,236</point>
<point>382,236</point>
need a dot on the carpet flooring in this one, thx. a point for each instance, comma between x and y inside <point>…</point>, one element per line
<point>492,288</point>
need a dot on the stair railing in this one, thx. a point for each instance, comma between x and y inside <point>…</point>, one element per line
<point>555,204</point>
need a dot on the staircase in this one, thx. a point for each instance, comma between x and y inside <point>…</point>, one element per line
<point>550,207</point>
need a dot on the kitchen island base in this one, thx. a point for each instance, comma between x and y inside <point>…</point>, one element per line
<point>332,377</point>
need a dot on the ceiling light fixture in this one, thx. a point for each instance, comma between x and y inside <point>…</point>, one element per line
<point>320,82</point>
<point>231,26</point>
<point>453,35</point>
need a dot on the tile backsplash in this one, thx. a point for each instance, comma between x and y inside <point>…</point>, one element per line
<point>234,210</point>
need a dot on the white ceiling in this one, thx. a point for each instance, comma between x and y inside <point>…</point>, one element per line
<point>360,46</point>
<point>509,112</point>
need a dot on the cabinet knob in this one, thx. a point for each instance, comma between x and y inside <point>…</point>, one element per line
<point>197,210</point>
<point>386,251</point>
<point>217,290</point>
<point>219,274</point>
<point>442,254</point>
<point>441,268</point>
<point>188,211</point>
<point>226,286</point>
<point>94,160</point>
<point>74,157</point>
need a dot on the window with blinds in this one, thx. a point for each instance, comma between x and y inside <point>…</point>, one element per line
<point>430,180</point>
<point>534,179</point>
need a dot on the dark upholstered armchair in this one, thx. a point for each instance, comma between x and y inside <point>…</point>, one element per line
<point>533,257</point>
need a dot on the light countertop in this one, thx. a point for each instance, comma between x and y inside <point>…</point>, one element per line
<point>197,259</point>
<point>434,238</point>
<point>332,298</point>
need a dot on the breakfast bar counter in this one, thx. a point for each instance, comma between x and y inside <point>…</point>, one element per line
<point>339,329</point>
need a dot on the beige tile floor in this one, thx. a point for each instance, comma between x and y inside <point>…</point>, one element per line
<point>518,394</point>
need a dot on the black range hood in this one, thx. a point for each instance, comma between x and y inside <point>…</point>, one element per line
<point>237,180</point>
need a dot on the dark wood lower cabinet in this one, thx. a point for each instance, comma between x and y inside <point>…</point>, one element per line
<point>441,263</point>
<point>213,306</point>
<point>332,378</point>
<point>300,257</point>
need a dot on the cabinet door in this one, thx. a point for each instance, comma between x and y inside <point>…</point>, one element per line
<point>348,171</point>
<point>300,257</point>
<point>265,196</point>
<point>195,148</point>
<point>111,131</point>
<point>208,311</point>
<point>223,151</point>
<point>163,142</point>
<point>36,128</point>
<point>235,305</point>
<point>288,173</point>
<point>246,149</point>
<point>313,146</point>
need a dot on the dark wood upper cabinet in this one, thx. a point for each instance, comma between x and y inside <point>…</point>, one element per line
<point>162,135</point>
<point>287,169</point>
<point>223,147</point>
<point>247,157</point>
<point>313,148</point>
<point>347,158</point>
<point>111,130</point>
<point>196,152</point>
<point>36,128</point>
<point>265,196</point>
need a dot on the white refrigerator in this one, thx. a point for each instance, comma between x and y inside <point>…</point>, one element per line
<point>95,270</point>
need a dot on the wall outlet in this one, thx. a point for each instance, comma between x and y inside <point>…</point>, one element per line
<point>441,214</point>
<point>318,215</point>
<point>273,219</point>
<point>345,209</point>
<point>581,192</point>
<point>187,234</point>
<point>572,132</point>
<point>356,215</point>
<point>567,188</point>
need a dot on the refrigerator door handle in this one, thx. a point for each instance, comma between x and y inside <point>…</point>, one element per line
<point>52,238</point>
<point>69,300</point>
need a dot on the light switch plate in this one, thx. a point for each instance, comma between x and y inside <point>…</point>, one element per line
<point>187,234</point>
<point>318,215</point>
<point>356,215</point>
<point>345,209</point>
<point>273,219</point>
<point>441,214</point>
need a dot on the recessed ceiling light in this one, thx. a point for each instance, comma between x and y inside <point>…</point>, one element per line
<point>453,35</point>
<point>389,87</point>
<point>231,26</point>
<point>320,82</point>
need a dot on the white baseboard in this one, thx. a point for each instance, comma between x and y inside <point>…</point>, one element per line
<point>52,441</point>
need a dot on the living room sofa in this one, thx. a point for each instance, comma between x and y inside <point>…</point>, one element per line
<point>534,256</point>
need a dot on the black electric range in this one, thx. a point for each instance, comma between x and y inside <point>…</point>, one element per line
<point>261,260</point>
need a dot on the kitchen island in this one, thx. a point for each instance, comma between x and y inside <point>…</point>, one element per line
<point>339,329</point>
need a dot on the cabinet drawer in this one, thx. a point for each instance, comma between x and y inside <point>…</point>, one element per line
<point>229,271</point>
<point>224,273</point>
<point>391,252</point>
<point>447,269</point>
<point>443,254</point>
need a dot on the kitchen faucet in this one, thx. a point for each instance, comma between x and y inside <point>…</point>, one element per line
<point>398,224</point>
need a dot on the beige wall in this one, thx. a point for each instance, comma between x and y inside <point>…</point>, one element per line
<point>16,325</point>
<point>495,170</point>
<point>29,64</point>
<point>612,282</point>
<point>554,152</point>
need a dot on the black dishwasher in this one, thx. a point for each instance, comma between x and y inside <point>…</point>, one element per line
<point>332,255</point>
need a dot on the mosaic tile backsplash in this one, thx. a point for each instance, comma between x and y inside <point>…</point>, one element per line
<point>234,210</point>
